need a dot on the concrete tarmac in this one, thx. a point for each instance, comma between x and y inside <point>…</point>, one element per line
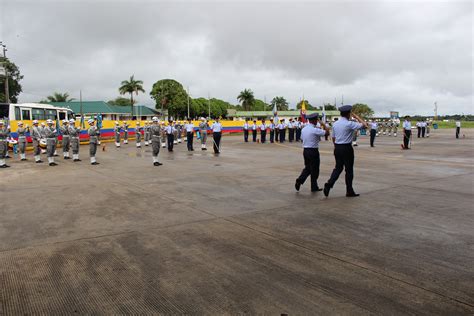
<point>229,234</point>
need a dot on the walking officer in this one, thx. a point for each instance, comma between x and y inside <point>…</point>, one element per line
<point>155,134</point>
<point>203,126</point>
<point>64,130</point>
<point>263,132</point>
<point>216,134</point>
<point>74,133</point>
<point>36,137</point>
<point>170,131</point>
<point>271,126</point>
<point>189,134</point>
<point>94,134</point>
<point>311,136</point>
<point>22,139</point>
<point>3,144</point>
<point>246,131</point>
<point>50,132</point>
<point>342,134</point>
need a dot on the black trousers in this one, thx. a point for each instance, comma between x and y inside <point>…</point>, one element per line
<point>170,138</point>
<point>291,134</point>
<point>217,141</point>
<point>298,134</point>
<point>277,134</point>
<point>282,135</point>
<point>406,138</point>
<point>458,130</point>
<point>246,135</point>
<point>189,139</point>
<point>311,167</point>
<point>423,131</point>
<point>373,132</point>
<point>419,131</point>
<point>254,135</point>
<point>272,136</point>
<point>344,155</point>
<point>263,136</point>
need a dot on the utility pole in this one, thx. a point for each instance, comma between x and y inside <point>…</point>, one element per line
<point>342,100</point>
<point>7,90</point>
<point>209,104</point>
<point>436,110</point>
<point>188,102</point>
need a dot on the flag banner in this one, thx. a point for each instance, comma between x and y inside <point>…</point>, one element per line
<point>303,111</point>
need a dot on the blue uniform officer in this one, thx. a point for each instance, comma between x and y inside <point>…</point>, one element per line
<point>342,134</point>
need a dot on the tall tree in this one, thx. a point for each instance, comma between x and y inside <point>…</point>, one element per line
<point>329,107</point>
<point>14,78</point>
<point>247,99</point>
<point>120,101</point>
<point>281,103</point>
<point>59,97</point>
<point>307,105</point>
<point>131,86</point>
<point>170,95</point>
<point>362,110</point>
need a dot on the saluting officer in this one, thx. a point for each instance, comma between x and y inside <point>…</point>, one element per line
<point>271,126</point>
<point>155,134</point>
<point>22,139</point>
<point>50,132</point>
<point>311,136</point>
<point>94,133</point>
<point>203,126</point>
<point>66,140</point>
<point>74,133</point>
<point>246,131</point>
<point>138,135</point>
<point>3,144</point>
<point>342,134</point>
<point>263,132</point>
<point>36,137</point>
<point>216,134</point>
<point>189,134</point>
<point>117,129</point>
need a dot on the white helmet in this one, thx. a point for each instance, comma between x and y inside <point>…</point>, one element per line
<point>35,122</point>
<point>42,124</point>
<point>138,122</point>
<point>155,119</point>
<point>49,121</point>
<point>116,123</point>
<point>90,121</point>
<point>64,121</point>
<point>72,121</point>
<point>20,123</point>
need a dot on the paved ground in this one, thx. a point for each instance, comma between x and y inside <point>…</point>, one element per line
<point>229,234</point>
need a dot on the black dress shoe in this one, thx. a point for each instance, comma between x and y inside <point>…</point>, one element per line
<point>76,160</point>
<point>204,149</point>
<point>39,161</point>
<point>326,190</point>
<point>24,159</point>
<point>95,163</point>
<point>4,166</point>
<point>297,185</point>
<point>352,194</point>
<point>53,164</point>
<point>317,190</point>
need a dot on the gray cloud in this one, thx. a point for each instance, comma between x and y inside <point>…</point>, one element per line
<point>394,56</point>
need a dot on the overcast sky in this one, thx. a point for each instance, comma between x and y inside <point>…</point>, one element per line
<point>400,56</point>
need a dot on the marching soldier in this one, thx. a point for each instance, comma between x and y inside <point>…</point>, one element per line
<point>203,126</point>
<point>36,137</point>
<point>311,136</point>
<point>189,127</point>
<point>396,123</point>
<point>21,131</point>
<point>94,133</point>
<point>138,135</point>
<point>272,130</point>
<point>216,134</point>
<point>254,131</point>
<point>146,133</point>
<point>246,131</point>
<point>179,131</point>
<point>263,132</point>
<point>50,133</point>
<point>389,127</point>
<point>343,131</point>
<point>64,130</point>
<point>125,132</point>
<point>3,144</point>
<point>170,134</point>
<point>74,134</point>
<point>155,134</point>
<point>117,129</point>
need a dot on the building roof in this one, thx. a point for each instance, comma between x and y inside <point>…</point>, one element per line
<point>294,113</point>
<point>96,107</point>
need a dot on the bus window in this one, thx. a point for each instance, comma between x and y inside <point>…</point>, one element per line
<point>51,115</point>
<point>17,113</point>
<point>38,114</point>
<point>62,116</point>
<point>4,110</point>
<point>25,114</point>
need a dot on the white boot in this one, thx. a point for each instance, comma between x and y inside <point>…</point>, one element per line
<point>155,159</point>
<point>139,145</point>
<point>163,145</point>
<point>37,158</point>
<point>125,141</point>
<point>117,144</point>
<point>394,134</point>
<point>2,162</point>
<point>23,156</point>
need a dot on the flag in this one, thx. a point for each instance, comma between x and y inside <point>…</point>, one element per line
<point>303,111</point>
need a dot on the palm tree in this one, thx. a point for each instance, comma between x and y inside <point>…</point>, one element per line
<point>281,103</point>
<point>59,97</point>
<point>131,86</point>
<point>247,99</point>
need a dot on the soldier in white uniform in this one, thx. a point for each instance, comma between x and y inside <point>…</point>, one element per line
<point>36,137</point>
<point>50,132</point>
<point>64,130</point>
<point>147,133</point>
<point>203,126</point>
<point>170,134</point>
<point>138,135</point>
<point>117,129</point>
<point>74,133</point>
<point>125,132</point>
<point>94,134</point>
<point>311,136</point>
<point>373,132</point>
<point>189,127</point>
<point>4,132</point>
<point>342,135</point>
<point>155,134</point>
<point>263,132</point>
<point>254,131</point>
<point>246,130</point>
<point>22,139</point>
<point>216,134</point>
<point>271,126</point>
